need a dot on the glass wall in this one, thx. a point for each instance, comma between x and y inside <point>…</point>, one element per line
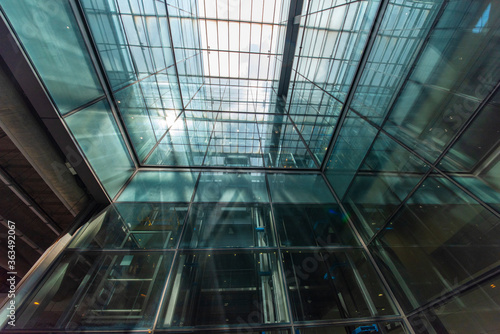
<point>214,249</point>
<point>363,198</point>
<point>415,161</point>
<point>50,34</point>
<point>474,311</point>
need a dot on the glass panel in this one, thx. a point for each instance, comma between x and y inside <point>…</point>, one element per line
<point>185,143</point>
<point>50,34</point>
<point>454,73</point>
<point>482,186</point>
<point>235,144</point>
<point>400,37</point>
<point>136,118</point>
<point>387,175</point>
<point>281,144</point>
<point>353,143</point>
<point>336,35</point>
<point>133,226</point>
<point>232,225</point>
<point>230,288</point>
<point>86,291</point>
<point>97,133</point>
<point>440,240</point>
<point>232,188</point>
<point>333,285</point>
<point>373,199</point>
<point>312,189</point>
<point>475,311</point>
<point>109,37</point>
<point>160,186</point>
<point>312,225</point>
<point>476,153</point>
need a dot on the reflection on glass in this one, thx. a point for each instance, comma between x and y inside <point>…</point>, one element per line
<point>454,73</point>
<point>225,288</point>
<point>160,186</point>
<point>97,133</point>
<point>485,186</point>
<point>133,226</point>
<point>354,141</point>
<point>185,142</point>
<point>372,199</point>
<point>312,225</point>
<point>400,37</point>
<point>109,37</point>
<point>281,144</point>
<point>475,311</point>
<point>333,36</point>
<point>213,226</point>
<point>235,144</point>
<point>50,35</point>
<point>284,189</point>
<point>331,285</point>
<point>441,239</point>
<point>98,291</point>
<point>476,153</point>
<point>137,119</point>
<point>232,188</point>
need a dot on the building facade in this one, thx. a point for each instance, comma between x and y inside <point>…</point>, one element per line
<point>270,166</point>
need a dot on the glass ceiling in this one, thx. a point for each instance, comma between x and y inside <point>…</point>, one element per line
<point>197,83</point>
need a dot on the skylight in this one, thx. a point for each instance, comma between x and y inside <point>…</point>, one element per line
<point>239,38</point>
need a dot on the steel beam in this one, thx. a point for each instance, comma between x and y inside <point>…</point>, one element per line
<point>292,33</point>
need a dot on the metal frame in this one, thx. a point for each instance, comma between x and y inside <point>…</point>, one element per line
<point>102,77</point>
<point>30,202</point>
<point>357,78</point>
<point>371,259</point>
<point>28,79</point>
<point>40,99</point>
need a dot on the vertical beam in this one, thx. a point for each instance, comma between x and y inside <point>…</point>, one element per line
<point>291,35</point>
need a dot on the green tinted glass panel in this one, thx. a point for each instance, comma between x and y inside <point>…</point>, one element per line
<point>86,291</point>
<point>161,186</point>
<point>313,189</point>
<point>97,133</point>
<point>345,286</point>
<point>312,225</point>
<point>50,35</point>
<point>133,226</point>
<point>232,188</point>
<point>475,311</point>
<point>441,239</point>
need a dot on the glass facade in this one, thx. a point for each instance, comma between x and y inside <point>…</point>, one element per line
<point>274,166</point>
